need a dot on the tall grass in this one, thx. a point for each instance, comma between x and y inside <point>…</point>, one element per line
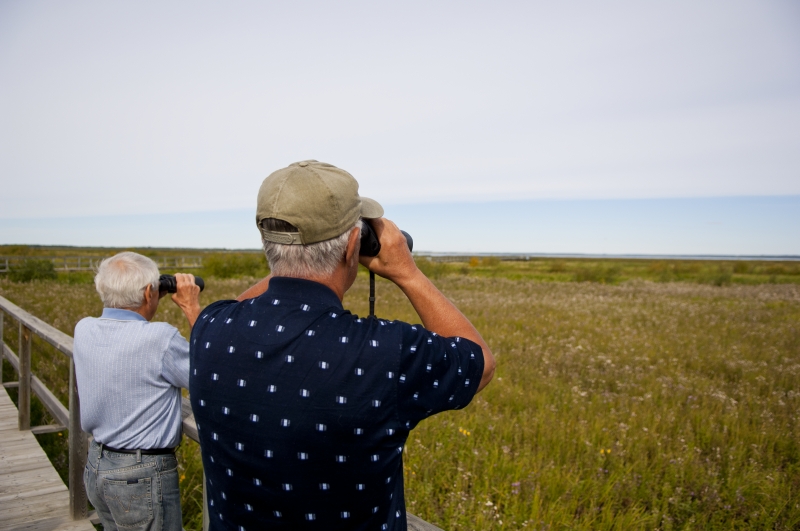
<point>635,405</point>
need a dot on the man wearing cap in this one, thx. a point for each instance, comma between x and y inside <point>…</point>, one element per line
<point>303,409</point>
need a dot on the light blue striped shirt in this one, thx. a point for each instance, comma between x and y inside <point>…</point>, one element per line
<point>129,374</point>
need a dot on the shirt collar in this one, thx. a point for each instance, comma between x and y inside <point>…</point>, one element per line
<point>118,314</point>
<point>300,288</point>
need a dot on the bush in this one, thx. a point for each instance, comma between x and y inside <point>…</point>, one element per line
<point>430,268</point>
<point>490,261</point>
<point>603,275</point>
<point>32,269</point>
<point>741,267</point>
<point>721,277</point>
<point>231,265</point>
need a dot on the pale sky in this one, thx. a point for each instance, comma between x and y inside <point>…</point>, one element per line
<point>127,108</point>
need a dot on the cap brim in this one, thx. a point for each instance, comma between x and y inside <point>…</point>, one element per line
<point>370,209</point>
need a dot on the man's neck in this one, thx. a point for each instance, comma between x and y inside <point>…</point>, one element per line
<point>336,282</point>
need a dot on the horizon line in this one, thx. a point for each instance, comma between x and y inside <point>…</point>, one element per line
<point>436,254</point>
<point>438,201</point>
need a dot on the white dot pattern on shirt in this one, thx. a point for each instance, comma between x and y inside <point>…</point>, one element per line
<point>340,399</point>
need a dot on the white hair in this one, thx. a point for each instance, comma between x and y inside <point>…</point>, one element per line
<point>303,261</point>
<point>122,279</point>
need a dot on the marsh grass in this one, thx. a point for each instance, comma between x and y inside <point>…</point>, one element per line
<point>635,405</point>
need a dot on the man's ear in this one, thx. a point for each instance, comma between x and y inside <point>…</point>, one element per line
<point>353,245</point>
<point>149,293</point>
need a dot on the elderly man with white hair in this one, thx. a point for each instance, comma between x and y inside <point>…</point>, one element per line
<point>130,372</point>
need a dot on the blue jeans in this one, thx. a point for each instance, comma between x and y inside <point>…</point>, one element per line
<point>133,492</point>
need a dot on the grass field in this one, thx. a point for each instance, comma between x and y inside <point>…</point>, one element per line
<point>628,401</point>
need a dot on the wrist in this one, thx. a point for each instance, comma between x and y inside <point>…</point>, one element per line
<point>410,279</point>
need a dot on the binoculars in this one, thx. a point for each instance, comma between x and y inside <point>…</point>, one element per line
<point>170,285</point>
<point>370,246</point>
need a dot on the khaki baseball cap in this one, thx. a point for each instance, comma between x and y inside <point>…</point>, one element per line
<point>319,199</point>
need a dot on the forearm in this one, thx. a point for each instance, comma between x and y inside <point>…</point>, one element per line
<point>255,290</point>
<point>440,315</point>
<point>191,313</point>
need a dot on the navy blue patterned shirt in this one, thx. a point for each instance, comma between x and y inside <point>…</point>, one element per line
<point>303,409</point>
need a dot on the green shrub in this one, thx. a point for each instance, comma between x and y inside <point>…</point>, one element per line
<point>430,268</point>
<point>603,275</point>
<point>741,267</point>
<point>490,261</point>
<point>32,269</point>
<point>721,277</point>
<point>234,265</point>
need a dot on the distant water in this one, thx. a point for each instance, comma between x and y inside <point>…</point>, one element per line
<point>699,227</point>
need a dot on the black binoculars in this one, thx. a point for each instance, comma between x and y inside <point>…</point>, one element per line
<point>170,285</point>
<point>370,246</point>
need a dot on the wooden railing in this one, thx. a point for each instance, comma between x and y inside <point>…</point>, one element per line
<point>69,419</point>
<point>90,263</point>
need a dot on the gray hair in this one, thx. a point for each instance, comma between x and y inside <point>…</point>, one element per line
<point>122,279</point>
<point>302,261</point>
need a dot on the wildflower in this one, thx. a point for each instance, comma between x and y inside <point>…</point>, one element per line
<point>464,432</point>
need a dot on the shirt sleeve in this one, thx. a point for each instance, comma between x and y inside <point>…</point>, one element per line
<point>436,373</point>
<point>175,363</point>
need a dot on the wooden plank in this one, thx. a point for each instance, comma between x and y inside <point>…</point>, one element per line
<point>20,468</point>
<point>2,316</point>
<point>41,475</point>
<point>22,483</point>
<point>78,448</point>
<point>50,428</point>
<point>35,492</point>
<point>24,394</point>
<point>189,424</point>
<point>14,521</point>
<point>30,488</point>
<point>53,501</point>
<point>55,524</point>
<point>415,523</point>
<point>52,335</point>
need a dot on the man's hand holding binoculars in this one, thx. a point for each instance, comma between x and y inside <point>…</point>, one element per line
<point>186,296</point>
<point>394,261</point>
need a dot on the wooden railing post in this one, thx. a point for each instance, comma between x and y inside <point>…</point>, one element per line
<point>2,350</point>
<point>24,395</point>
<point>206,516</point>
<point>78,446</point>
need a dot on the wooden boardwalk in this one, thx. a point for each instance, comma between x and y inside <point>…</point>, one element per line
<point>32,495</point>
